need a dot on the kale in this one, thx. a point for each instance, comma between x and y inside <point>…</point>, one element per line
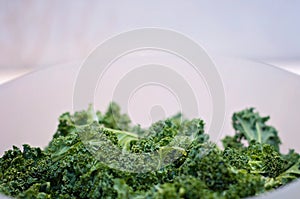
<point>95,155</point>
<point>250,126</point>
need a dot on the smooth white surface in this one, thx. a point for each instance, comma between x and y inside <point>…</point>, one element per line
<point>10,74</point>
<point>31,104</point>
<point>40,33</point>
<point>289,65</point>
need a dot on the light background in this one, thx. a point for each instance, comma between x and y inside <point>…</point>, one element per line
<point>36,34</point>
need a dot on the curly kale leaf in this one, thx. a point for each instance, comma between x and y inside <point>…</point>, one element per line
<point>113,118</point>
<point>182,187</point>
<point>257,158</point>
<point>249,125</point>
<point>205,162</point>
<point>20,170</point>
<point>183,162</point>
<point>290,173</point>
<point>173,132</point>
<point>233,142</point>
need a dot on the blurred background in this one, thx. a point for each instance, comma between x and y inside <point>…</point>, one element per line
<point>38,34</point>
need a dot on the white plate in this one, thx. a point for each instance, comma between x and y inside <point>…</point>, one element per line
<point>30,105</point>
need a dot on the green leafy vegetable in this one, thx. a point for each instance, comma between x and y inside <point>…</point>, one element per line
<point>250,126</point>
<point>95,155</point>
